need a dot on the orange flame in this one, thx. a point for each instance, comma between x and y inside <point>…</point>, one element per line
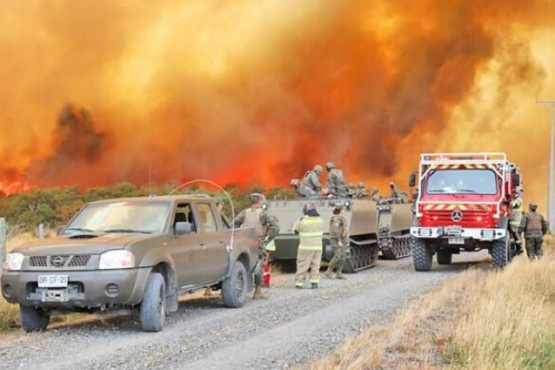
<point>95,93</point>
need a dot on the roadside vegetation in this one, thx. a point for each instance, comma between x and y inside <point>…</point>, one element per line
<point>481,319</point>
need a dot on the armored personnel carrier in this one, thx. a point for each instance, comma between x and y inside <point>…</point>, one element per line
<point>363,231</point>
<point>394,222</point>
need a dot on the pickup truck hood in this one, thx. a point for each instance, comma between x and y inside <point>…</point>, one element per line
<point>80,243</point>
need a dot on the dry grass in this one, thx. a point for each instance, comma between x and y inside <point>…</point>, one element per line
<point>479,320</point>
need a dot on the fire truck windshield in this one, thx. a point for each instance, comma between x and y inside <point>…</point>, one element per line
<point>462,181</point>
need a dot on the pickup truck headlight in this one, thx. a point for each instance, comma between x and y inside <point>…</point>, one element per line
<point>13,261</point>
<point>120,259</point>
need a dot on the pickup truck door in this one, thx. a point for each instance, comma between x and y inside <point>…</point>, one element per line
<point>186,250</point>
<point>214,241</point>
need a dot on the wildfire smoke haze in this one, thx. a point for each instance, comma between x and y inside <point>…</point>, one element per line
<point>97,92</point>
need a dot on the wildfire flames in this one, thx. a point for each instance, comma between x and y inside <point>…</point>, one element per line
<point>95,93</point>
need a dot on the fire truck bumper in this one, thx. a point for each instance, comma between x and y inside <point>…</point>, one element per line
<point>457,232</point>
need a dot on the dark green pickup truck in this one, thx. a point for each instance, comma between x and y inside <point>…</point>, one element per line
<point>131,254</point>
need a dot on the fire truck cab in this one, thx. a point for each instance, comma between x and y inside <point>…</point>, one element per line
<point>463,205</point>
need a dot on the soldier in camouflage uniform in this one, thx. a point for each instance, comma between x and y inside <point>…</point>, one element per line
<point>361,191</point>
<point>375,194</point>
<point>310,185</point>
<point>266,226</point>
<point>336,181</point>
<point>339,239</point>
<point>534,227</point>
<point>395,192</point>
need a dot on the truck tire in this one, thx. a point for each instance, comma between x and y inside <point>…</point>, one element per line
<point>235,286</point>
<point>421,255</point>
<point>444,257</point>
<point>500,251</point>
<point>33,319</point>
<point>153,306</point>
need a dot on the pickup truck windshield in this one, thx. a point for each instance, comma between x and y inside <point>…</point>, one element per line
<point>462,181</point>
<point>123,217</point>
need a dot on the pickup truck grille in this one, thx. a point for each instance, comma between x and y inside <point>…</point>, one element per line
<point>59,261</point>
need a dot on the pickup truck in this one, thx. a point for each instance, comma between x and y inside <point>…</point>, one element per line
<point>132,254</point>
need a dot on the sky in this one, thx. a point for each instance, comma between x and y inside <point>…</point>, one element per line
<point>258,92</point>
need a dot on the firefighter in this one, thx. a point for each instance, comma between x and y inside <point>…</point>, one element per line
<point>339,240</point>
<point>534,227</point>
<point>310,229</point>
<point>515,217</point>
<point>267,227</point>
<point>310,185</point>
<point>336,181</point>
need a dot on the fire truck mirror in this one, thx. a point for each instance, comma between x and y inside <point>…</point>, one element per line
<point>516,179</point>
<point>412,179</point>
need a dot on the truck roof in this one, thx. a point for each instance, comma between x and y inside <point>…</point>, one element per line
<point>493,158</point>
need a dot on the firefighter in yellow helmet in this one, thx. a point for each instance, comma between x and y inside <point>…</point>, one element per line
<point>310,229</point>
<point>515,217</point>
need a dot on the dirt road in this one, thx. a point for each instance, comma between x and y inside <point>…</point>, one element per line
<point>293,327</point>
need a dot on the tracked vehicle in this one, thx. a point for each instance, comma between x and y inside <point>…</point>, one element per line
<point>394,222</point>
<point>363,231</point>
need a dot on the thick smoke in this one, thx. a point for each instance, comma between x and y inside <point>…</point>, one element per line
<point>259,92</point>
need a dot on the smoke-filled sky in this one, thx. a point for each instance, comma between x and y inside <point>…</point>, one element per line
<point>96,92</point>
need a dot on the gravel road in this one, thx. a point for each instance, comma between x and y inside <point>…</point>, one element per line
<point>293,327</point>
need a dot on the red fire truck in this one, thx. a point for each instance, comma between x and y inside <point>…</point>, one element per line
<point>463,205</point>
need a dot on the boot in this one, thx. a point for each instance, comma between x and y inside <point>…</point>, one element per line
<point>328,273</point>
<point>339,275</point>
<point>259,294</point>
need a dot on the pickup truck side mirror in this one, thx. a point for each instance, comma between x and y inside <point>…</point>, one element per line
<point>183,228</point>
<point>516,179</point>
<point>412,179</point>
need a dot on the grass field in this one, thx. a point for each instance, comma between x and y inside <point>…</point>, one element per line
<point>481,319</point>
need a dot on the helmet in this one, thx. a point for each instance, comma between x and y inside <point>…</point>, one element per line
<point>374,189</point>
<point>310,206</point>
<point>318,169</point>
<point>338,208</point>
<point>361,185</point>
<point>330,165</point>
<point>218,201</point>
<point>533,207</point>
<point>391,184</point>
<point>257,197</point>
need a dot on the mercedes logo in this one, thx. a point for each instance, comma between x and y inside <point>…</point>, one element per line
<point>456,216</point>
<point>57,261</point>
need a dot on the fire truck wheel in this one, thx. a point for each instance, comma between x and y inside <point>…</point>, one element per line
<point>421,255</point>
<point>500,252</point>
<point>444,257</point>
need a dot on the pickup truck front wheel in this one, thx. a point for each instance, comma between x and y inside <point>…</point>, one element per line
<point>153,307</point>
<point>234,287</point>
<point>33,319</point>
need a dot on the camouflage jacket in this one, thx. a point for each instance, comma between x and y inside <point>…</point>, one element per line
<point>311,181</point>
<point>269,223</point>
<point>338,227</point>
<point>336,183</point>
<point>533,225</point>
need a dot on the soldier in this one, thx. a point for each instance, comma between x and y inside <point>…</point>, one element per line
<point>375,194</point>
<point>394,192</point>
<point>361,191</point>
<point>515,217</point>
<point>310,229</point>
<point>310,185</point>
<point>267,227</point>
<point>534,227</point>
<point>339,239</point>
<point>336,181</point>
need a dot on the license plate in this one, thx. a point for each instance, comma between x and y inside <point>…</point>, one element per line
<point>456,241</point>
<point>53,281</point>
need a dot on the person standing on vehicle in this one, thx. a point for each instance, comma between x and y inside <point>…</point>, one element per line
<point>310,185</point>
<point>339,239</point>
<point>515,218</point>
<point>336,181</point>
<point>310,229</point>
<point>534,227</point>
<point>266,227</point>
<point>375,194</point>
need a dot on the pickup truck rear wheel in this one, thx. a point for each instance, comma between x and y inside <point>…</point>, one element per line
<point>421,255</point>
<point>33,319</point>
<point>234,287</point>
<point>153,306</point>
